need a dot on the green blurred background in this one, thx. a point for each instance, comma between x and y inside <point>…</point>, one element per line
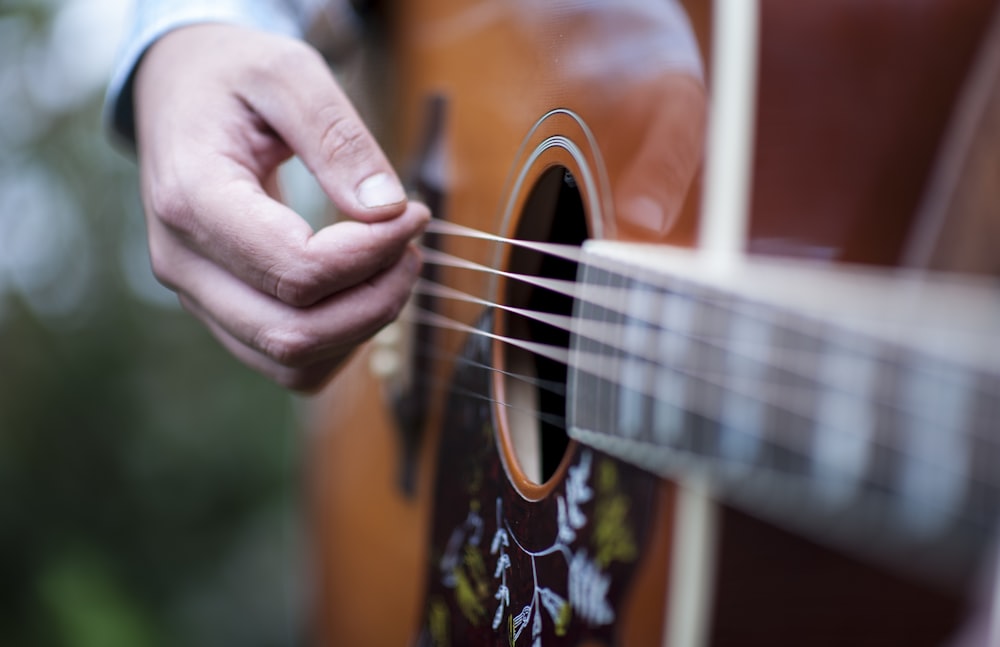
<point>148,483</point>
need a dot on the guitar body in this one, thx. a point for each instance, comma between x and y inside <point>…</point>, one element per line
<point>448,505</point>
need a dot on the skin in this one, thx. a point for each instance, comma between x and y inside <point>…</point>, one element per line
<point>218,109</point>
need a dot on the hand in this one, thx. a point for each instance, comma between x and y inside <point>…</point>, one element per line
<point>218,109</point>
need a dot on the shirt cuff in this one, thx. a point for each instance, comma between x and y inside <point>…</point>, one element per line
<point>154,18</point>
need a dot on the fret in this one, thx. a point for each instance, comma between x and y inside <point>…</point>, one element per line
<point>678,313</point>
<point>742,416</point>
<point>848,367</point>
<point>935,400</point>
<point>642,302</point>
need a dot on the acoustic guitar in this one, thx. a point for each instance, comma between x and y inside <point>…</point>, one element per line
<point>690,362</point>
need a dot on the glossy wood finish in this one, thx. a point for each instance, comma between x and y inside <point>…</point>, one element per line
<point>497,67</point>
<point>854,98</point>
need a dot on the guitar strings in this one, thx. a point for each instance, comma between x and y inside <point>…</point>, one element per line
<point>551,419</point>
<point>795,361</point>
<point>888,488</point>
<point>447,228</point>
<point>423,316</point>
<point>802,444</point>
<point>881,479</point>
<point>556,388</point>
<point>450,386</point>
<point>779,396</point>
<point>607,297</point>
<point>800,362</point>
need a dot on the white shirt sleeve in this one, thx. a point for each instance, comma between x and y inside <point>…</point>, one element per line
<point>154,18</point>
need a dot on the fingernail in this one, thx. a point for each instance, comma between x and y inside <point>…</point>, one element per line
<point>380,190</point>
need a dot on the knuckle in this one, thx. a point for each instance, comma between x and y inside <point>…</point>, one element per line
<point>281,55</point>
<point>288,54</point>
<point>170,203</point>
<point>287,345</point>
<point>343,136</point>
<point>294,287</point>
<point>384,310</point>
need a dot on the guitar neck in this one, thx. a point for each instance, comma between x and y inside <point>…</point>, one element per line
<point>839,401</point>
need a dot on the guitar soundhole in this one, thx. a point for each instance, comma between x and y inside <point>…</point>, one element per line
<point>534,385</point>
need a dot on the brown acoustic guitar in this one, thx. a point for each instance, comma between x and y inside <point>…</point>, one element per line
<point>690,362</point>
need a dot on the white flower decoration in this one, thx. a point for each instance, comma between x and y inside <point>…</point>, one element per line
<point>503,563</point>
<point>499,539</point>
<point>503,595</point>
<point>588,590</point>
<point>577,490</point>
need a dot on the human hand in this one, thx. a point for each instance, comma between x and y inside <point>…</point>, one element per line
<point>218,109</point>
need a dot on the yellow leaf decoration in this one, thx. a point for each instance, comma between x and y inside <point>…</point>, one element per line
<point>612,538</point>
<point>438,621</point>
<point>468,602</point>
<point>476,568</point>
<point>562,622</point>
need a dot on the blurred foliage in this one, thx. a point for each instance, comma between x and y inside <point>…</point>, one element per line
<point>147,481</point>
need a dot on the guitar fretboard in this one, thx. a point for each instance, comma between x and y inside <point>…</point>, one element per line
<point>850,403</point>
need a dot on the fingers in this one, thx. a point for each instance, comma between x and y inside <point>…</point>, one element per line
<point>239,227</point>
<point>297,347</point>
<point>305,379</point>
<point>298,97</point>
<point>288,90</point>
<point>208,162</point>
<point>218,109</point>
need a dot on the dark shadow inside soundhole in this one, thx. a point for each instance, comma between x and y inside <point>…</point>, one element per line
<point>553,213</point>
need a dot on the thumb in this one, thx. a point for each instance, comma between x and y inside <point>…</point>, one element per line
<point>299,98</point>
